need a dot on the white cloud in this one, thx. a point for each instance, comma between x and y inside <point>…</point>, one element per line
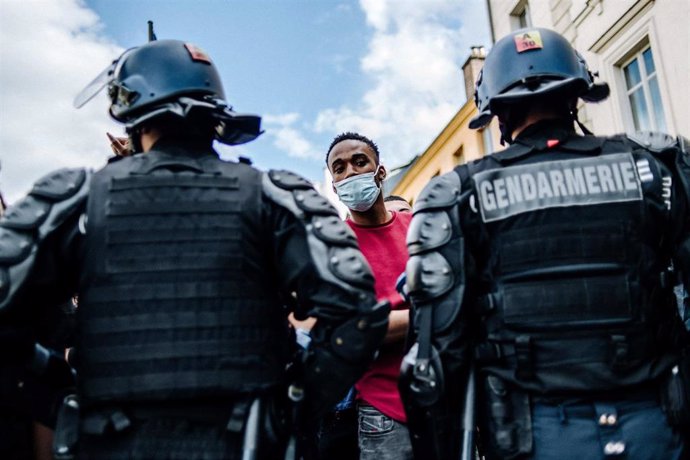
<point>288,138</point>
<point>414,60</point>
<point>51,50</point>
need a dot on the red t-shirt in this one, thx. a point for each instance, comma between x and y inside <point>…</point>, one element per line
<point>385,249</point>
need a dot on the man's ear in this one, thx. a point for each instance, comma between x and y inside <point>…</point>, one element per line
<point>382,173</point>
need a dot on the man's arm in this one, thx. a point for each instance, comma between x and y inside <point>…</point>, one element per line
<point>32,270</point>
<point>398,322</point>
<point>36,278</point>
<point>317,259</point>
<point>435,371</point>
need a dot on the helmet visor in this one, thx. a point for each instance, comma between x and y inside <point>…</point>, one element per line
<point>101,81</point>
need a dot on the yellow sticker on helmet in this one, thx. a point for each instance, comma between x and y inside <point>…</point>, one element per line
<point>529,40</point>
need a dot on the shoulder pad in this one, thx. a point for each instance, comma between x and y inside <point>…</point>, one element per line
<point>332,245</point>
<point>432,280</point>
<point>59,185</point>
<point>14,246</point>
<point>441,192</point>
<point>26,224</point>
<point>349,265</point>
<point>653,141</point>
<point>27,214</point>
<point>429,276</point>
<point>288,180</point>
<point>334,230</point>
<point>428,230</point>
<point>312,202</point>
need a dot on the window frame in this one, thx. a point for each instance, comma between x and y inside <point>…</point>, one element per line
<point>637,54</point>
<point>619,50</point>
<point>520,12</point>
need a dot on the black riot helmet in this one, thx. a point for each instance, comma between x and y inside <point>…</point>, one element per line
<point>529,63</point>
<point>170,78</point>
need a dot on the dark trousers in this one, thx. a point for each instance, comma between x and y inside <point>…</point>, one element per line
<point>603,430</point>
<point>337,435</point>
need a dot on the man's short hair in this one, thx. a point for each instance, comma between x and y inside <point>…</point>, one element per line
<point>355,137</point>
<point>394,198</point>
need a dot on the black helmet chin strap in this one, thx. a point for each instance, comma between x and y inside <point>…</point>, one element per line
<point>506,134</point>
<point>573,113</point>
<point>134,135</point>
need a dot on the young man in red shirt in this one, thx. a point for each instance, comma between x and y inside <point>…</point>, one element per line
<point>358,174</point>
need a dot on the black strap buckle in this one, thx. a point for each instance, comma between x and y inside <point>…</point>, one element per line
<point>487,352</point>
<point>102,422</point>
<point>523,355</point>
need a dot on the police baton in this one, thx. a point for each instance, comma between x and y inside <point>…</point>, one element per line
<point>468,416</point>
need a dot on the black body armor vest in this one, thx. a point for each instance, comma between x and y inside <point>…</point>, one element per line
<point>177,300</point>
<point>572,297</point>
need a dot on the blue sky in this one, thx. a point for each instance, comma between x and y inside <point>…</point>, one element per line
<point>389,69</point>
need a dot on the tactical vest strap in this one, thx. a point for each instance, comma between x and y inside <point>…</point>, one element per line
<point>531,355</point>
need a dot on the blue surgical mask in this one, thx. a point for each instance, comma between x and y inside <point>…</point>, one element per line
<point>359,193</point>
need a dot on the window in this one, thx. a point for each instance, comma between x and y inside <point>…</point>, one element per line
<point>642,89</point>
<point>519,17</point>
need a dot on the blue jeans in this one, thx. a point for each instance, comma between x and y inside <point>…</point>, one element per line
<point>603,430</point>
<point>381,437</point>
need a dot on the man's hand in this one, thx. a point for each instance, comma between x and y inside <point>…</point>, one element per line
<point>120,145</point>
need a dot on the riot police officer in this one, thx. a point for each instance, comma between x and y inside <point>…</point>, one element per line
<point>544,269</point>
<point>183,265</point>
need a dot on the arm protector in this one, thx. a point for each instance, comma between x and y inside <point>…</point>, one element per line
<point>431,381</point>
<point>675,155</point>
<point>27,225</point>
<point>338,286</point>
<point>683,174</point>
